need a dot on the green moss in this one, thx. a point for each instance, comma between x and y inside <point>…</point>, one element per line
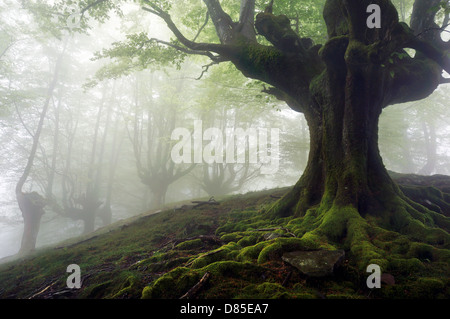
<point>248,240</point>
<point>335,222</point>
<point>278,246</point>
<point>251,252</point>
<point>190,244</point>
<point>313,241</point>
<point>233,269</point>
<point>270,252</point>
<point>97,291</point>
<point>226,252</point>
<point>366,253</point>
<point>400,246</point>
<point>231,237</point>
<point>429,288</point>
<point>405,266</point>
<point>434,236</point>
<point>131,287</point>
<point>305,224</point>
<point>241,222</point>
<point>423,252</point>
<point>173,284</point>
<point>428,253</point>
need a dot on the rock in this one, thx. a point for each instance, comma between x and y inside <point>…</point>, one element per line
<point>387,279</point>
<point>316,263</point>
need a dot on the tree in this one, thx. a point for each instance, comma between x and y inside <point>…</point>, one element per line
<point>223,178</point>
<point>341,87</point>
<point>154,121</point>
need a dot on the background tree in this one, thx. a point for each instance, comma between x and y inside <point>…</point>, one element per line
<point>154,121</point>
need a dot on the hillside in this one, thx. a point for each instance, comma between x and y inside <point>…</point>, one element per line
<point>227,246</point>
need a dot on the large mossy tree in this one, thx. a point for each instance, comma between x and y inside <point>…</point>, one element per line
<point>346,194</point>
<point>341,87</point>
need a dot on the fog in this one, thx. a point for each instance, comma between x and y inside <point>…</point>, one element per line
<point>107,143</point>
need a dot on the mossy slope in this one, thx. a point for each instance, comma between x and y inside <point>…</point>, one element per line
<point>166,254</point>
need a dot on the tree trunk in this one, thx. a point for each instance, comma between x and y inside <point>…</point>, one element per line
<point>345,184</point>
<point>159,196</point>
<point>32,207</point>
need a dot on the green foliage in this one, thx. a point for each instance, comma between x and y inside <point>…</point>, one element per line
<point>137,53</point>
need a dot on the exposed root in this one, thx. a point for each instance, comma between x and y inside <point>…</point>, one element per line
<point>409,241</point>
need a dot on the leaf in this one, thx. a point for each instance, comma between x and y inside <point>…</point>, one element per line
<point>392,73</point>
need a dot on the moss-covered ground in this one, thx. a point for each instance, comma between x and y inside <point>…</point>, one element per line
<point>164,255</point>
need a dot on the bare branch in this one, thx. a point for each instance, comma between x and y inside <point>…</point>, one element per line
<point>206,68</point>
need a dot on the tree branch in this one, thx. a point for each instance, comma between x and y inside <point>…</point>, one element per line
<point>430,51</point>
<point>22,121</point>
<point>93,4</point>
<point>185,50</point>
<point>222,21</point>
<point>206,68</point>
<point>216,48</point>
<point>277,30</point>
<point>247,20</point>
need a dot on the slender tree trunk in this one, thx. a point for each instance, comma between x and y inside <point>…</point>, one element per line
<point>106,212</point>
<point>429,131</point>
<point>51,175</point>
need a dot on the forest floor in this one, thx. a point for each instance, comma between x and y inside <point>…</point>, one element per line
<point>222,249</point>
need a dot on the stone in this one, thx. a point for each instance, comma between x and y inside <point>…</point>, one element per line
<point>315,263</point>
<point>387,279</point>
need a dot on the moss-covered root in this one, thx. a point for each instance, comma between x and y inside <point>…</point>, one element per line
<point>402,233</point>
<point>226,279</point>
